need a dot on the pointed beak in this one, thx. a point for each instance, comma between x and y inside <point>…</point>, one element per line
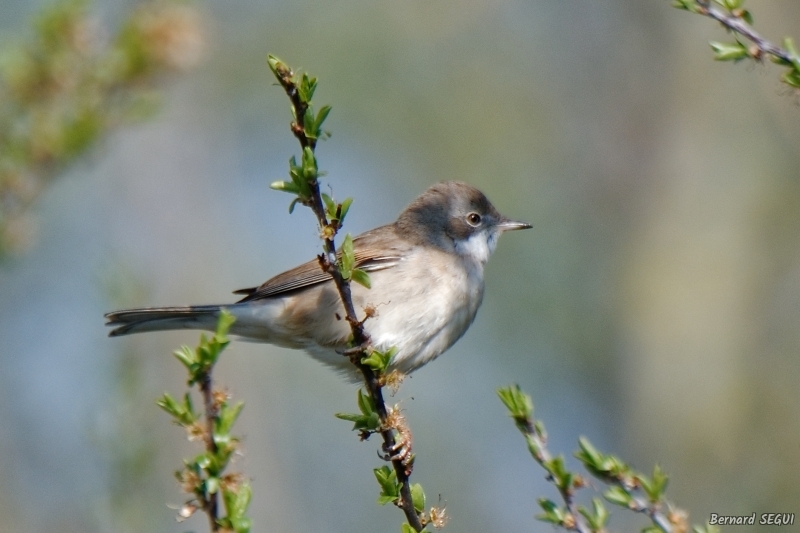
<point>510,225</point>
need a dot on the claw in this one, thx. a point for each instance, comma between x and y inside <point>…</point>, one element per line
<point>363,348</point>
<point>401,450</point>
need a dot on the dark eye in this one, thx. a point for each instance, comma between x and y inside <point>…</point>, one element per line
<point>474,219</point>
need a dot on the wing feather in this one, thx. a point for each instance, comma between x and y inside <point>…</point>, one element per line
<point>370,256</point>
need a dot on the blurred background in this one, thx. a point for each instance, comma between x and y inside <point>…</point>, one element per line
<point>653,308</point>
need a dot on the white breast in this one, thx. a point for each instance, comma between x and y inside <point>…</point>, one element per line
<point>424,305</point>
<point>478,247</point>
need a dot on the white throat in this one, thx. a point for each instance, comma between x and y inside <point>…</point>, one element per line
<point>477,247</point>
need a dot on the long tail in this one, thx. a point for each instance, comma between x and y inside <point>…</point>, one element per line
<point>130,321</point>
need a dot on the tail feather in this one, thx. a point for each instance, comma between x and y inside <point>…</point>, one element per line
<point>130,321</point>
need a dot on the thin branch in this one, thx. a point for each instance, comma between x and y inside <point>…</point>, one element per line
<point>210,502</point>
<point>735,23</point>
<point>204,476</point>
<point>640,505</point>
<point>361,338</point>
<point>543,456</point>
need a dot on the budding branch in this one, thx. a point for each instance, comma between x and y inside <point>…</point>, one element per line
<point>361,338</point>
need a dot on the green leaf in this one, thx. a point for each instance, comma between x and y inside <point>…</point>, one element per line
<point>788,43</point>
<point>386,476</point>
<point>186,356</point>
<point>306,88</point>
<point>172,407</point>
<point>188,407</point>
<point>552,512</point>
<point>350,417</point>
<point>344,208</point>
<point>597,517</point>
<point>390,488</point>
<point>241,525</point>
<point>204,461</point>
<point>278,67</point>
<point>284,186</point>
<point>212,485</point>
<point>242,502</point>
<point>732,4</point>
<point>309,165</point>
<point>418,497</point>
<point>519,404</point>
<point>228,416</point>
<point>558,470</point>
<point>383,499</point>
<point>223,441</point>
<point>406,528</point>
<point>321,116</point>
<point>538,427</point>
<point>606,467</point>
<point>361,277</point>
<point>654,487</point>
<point>792,78</point>
<point>534,445</point>
<point>365,403</point>
<point>330,205</point>
<point>224,323</point>
<point>688,5</point>
<point>618,495</point>
<point>347,260</point>
<point>368,419</point>
<point>589,455</point>
<point>728,51</point>
<point>293,204</point>
<point>747,16</point>
<point>379,361</point>
<point>209,349</point>
<point>308,123</point>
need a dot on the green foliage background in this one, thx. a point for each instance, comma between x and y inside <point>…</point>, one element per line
<point>653,307</point>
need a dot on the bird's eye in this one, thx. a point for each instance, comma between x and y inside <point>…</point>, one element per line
<point>473,219</point>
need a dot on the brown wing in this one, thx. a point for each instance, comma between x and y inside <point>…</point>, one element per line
<point>371,254</point>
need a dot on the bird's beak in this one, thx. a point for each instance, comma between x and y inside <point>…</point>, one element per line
<point>509,225</point>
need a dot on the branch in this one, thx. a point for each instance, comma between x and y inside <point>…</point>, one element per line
<point>307,128</point>
<point>210,503</point>
<point>629,489</point>
<point>204,476</point>
<point>521,410</point>
<point>738,20</point>
<point>735,22</point>
<point>51,115</point>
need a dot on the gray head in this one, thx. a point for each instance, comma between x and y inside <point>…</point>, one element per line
<point>457,218</point>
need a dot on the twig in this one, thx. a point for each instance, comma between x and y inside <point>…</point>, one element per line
<point>628,489</point>
<point>204,476</point>
<point>736,23</point>
<point>328,263</point>
<point>544,458</point>
<point>209,502</point>
<point>739,21</point>
<point>658,518</point>
<point>520,408</point>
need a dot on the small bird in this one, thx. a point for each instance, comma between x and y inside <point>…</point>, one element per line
<point>426,272</point>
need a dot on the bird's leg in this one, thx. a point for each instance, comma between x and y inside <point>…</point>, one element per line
<point>354,353</point>
<point>401,450</point>
<point>361,348</point>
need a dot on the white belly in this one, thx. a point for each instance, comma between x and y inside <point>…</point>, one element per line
<point>422,307</point>
<point>429,312</point>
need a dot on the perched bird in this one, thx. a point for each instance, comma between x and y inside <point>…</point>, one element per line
<point>426,272</point>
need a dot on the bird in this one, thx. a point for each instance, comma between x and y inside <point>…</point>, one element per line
<point>426,274</point>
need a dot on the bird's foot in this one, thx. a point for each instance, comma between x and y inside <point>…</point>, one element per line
<point>355,350</point>
<point>401,450</point>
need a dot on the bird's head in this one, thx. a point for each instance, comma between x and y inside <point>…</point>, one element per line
<point>456,218</point>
